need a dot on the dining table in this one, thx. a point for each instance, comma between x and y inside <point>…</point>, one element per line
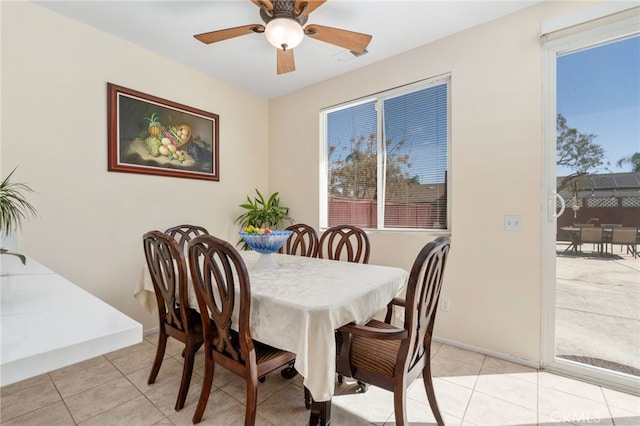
<point>574,238</point>
<point>298,302</point>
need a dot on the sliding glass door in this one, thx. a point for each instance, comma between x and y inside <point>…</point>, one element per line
<point>591,282</point>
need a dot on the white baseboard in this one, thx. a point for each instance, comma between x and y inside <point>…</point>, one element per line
<point>150,331</point>
<point>505,357</point>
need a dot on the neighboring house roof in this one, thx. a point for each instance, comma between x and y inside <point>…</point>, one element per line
<point>605,185</point>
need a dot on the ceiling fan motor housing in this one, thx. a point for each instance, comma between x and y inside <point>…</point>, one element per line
<point>282,9</point>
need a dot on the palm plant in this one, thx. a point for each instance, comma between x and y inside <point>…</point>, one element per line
<point>634,160</point>
<point>14,207</point>
<point>263,213</point>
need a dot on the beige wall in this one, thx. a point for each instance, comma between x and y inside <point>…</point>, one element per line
<point>54,75</point>
<point>54,128</point>
<point>493,278</point>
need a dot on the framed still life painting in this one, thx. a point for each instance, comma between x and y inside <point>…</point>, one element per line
<point>155,136</point>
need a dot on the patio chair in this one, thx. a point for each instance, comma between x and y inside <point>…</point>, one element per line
<point>591,235</point>
<point>168,272</point>
<point>390,357</point>
<point>221,280</point>
<point>626,236</point>
<point>303,242</point>
<point>345,242</point>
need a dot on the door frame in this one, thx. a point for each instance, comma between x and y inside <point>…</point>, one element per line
<point>611,29</point>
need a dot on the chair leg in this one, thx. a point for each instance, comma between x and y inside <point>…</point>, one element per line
<point>431,394</point>
<point>307,398</point>
<point>289,372</point>
<point>157,362</point>
<point>252,400</point>
<point>399,405</point>
<point>187,371</point>
<point>209,368</point>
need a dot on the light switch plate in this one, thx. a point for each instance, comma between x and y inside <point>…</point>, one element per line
<point>513,223</point>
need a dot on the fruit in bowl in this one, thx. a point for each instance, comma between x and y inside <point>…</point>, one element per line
<point>253,230</point>
<point>264,240</point>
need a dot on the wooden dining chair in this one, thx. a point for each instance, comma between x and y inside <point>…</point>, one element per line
<point>348,243</point>
<point>168,271</point>
<point>221,280</point>
<point>390,357</point>
<point>185,233</point>
<point>344,242</point>
<point>303,242</point>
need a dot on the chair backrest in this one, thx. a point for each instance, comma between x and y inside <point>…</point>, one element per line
<point>219,276</point>
<point>421,302</point>
<point>624,235</point>
<point>303,242</point>
<point>591,235</point>
<point>344,242</point>
<point>168,271</point>
<point>610,225</point>
<point>185,233</point>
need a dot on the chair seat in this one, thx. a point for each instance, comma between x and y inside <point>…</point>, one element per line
<point>266,354</point>
<point>373,355</point>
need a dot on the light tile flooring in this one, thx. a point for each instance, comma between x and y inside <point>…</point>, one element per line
<point>472,389</point>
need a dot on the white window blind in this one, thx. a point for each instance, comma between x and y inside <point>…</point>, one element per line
<point>387,159</point>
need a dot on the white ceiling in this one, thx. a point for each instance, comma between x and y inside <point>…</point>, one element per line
<point>167,28</point>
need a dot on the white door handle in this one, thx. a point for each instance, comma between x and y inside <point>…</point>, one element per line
<point>553,214</point>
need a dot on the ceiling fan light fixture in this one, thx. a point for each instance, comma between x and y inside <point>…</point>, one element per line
<point>284,33</point>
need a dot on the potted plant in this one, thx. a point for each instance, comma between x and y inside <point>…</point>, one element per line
<point>261,213</point>
<point>14,207</point>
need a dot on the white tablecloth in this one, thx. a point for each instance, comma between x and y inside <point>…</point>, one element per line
<point>298,305</point>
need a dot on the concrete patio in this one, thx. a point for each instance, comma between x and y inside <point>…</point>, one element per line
<point>598,309</point>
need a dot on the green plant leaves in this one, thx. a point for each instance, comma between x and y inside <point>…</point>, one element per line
<point>22,257</point>
<point>14,207</point>
<point>263,213</point>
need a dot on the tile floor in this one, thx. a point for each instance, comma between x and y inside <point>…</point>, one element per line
<point>472,389</point>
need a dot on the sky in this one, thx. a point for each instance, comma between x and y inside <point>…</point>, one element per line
<point>598,92</point>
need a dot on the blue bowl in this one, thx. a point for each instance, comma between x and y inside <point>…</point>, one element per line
<point>266,243</point>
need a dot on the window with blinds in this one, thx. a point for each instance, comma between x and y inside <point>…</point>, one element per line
<point>387,159</point>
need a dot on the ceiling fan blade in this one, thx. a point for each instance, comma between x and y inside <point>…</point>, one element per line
<point>351,40</point>
<point>267,3</point>
<point>285,61</point>
<point>311,6</point>
<point>214,36</point>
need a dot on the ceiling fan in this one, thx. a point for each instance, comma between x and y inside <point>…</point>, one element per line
<point>284,20</point>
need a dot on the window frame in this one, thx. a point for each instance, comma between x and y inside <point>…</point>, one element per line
<point>379,98</point>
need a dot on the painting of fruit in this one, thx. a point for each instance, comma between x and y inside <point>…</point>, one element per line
<point>155,136</point>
